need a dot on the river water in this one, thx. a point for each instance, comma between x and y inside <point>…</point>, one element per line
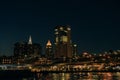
<point>79,76</point>
<point>60,76</point>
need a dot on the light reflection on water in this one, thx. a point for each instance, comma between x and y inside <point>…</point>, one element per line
<point>79,76</point>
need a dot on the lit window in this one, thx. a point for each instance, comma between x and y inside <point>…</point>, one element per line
<point>56,32</point>
<point>64,38</point>
<point>61,28</point>
<point>68,28</point>
<point>56,39</point>
<point>56,29</point>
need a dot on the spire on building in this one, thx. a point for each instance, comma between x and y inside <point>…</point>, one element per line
<point>48,50</point>
<point>48,43</point>
<point>30,40</point>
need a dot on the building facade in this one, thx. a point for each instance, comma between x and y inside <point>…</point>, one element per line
<point>27,49</point>
<point>49,50</point>
<point>6,60</point>
<point>63,43</point>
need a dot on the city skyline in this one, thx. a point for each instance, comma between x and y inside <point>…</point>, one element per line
<point>94,24</point>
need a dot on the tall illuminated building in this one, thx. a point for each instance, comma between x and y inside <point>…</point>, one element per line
<point>63,43</point>
<point>27,49</point>
<point>49,51</point>
<point>30,40</point>
<point>75,50</point>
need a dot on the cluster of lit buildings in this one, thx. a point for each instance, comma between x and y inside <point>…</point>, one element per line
<point>63,50</point>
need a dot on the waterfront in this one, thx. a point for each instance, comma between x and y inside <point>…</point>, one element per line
<point>26,75</point>
<point>61,61</point>
<point>17,75</point>
<point>80,76</point>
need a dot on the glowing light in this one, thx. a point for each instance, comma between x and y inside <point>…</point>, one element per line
<point>68,28</point>
<point>49,43</point>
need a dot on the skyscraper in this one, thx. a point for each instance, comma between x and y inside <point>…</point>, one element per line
<point>63,43</point>
<point>30,40</point>
<point>49,52</point>
<point>75,51</point>
<point>27,49</point>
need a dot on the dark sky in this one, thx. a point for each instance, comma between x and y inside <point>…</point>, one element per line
<point>95,23</point>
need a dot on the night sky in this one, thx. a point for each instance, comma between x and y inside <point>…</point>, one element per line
<point>95,24</point>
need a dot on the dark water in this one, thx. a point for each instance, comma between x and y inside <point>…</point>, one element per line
<point>80,76</point>
<point>17,75</point>
<point>62,76</point>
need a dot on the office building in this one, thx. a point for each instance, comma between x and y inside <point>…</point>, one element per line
<point>49,51</point>
<point>27,49</point>
<point>63,43</point>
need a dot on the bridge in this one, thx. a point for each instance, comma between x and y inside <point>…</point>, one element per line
<point>70,67</point>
